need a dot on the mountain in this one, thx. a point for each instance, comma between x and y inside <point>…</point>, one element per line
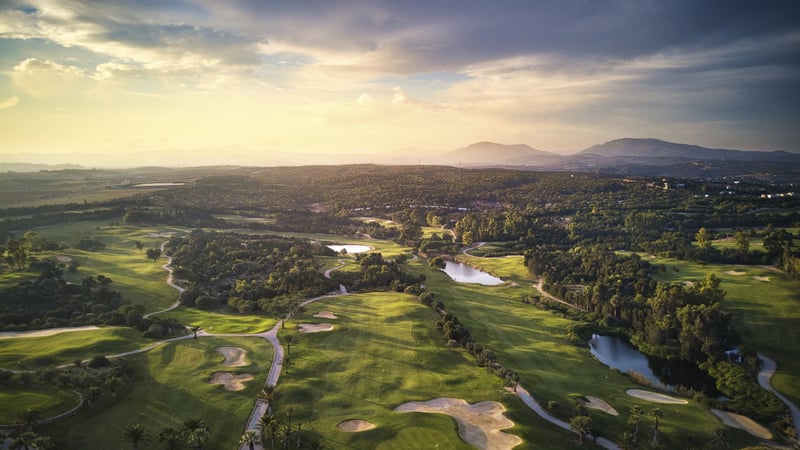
<point>658,149</point>
<point>31,167</point>
<point>492,153</point>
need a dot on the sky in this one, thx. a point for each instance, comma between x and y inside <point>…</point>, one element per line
<point>210,79</point>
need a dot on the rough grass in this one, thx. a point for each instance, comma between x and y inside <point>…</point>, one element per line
<point>384,350</point>
<point>64,348</point>
<point>49,400</point>
<point>765,313</point>
<point>534,343</point>
<point>171,385</point>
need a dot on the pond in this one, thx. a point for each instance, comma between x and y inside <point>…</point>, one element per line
<point>350,248</point>
<point>617,353</point>
<point>147,185</point>
<point>466,274</point>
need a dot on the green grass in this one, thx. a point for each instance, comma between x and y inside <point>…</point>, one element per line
<point>765,313</point>
<point>508,268</point>
<point>139,280</point>
<point>64,348</point>
<point>49,400</point>
<point>534,343</point>
<point>221,322</point>
<point>385,351</point>
<point>170,386</point>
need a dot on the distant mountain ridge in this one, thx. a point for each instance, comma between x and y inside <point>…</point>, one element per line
<point>656,148</point>
<point>494,153</point>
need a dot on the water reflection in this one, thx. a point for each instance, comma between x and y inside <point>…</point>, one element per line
<point>466,274</point>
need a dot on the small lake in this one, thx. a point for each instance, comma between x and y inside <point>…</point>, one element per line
<point>350,248</point>
<point>466,274</point>
<point>617,353</point>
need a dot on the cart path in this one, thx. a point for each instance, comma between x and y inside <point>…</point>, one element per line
<point>767,371</point>
<point>171,282</point>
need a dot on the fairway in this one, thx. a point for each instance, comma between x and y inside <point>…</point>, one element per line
<point>50,400</point>
<point>219,322</point>
<point>765,313</point>
<point>383,351</point>
<point>534,343</point>
<point>170,385</point>
<point>38,352</point>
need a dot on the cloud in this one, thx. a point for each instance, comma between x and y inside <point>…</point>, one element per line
<point>43,78</point>
<point>10,102</point>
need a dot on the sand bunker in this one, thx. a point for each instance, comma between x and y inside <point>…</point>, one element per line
<point>596,403</point>
<point>314,327</point>
<point>761,278</point>
<point>655,397</point>
<point>234,356</point>
<point>734,272</point>
<point>325,315</point>
<point>231,382</point>
<point>355,426</point>
<point>63,258</point>
<point>164,234</point>
<point>478,425</point>
<point>742,423</point>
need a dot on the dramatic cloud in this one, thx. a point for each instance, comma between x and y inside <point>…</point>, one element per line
<point>554,74</point>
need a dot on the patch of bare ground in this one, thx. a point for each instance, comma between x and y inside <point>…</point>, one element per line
<point>234,356</point>
<point>655,397</point>
<point>761,278</point>
<point>355,426</point>
<point>600,404</point>
<point>314,327</point>
<point>63,258</point>
<point>743,423</point>
<point>230,381</point>
<point>325,315</point>
<point>478,425</point>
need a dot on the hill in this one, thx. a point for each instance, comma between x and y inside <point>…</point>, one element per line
<point>492,153</point>
<point>655,148</point>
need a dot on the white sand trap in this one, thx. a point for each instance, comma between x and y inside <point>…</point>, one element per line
<point>735,273</point>
<point>355,426</point>
<point>596,403</point>
<point>761,278</point>
<point>231,382</point>
<point>326,315</point>
<point>234,356</point>
<point>655,397</point>
<point>478,425</point>
<point>742,423</point>
<point>63,258</point>
<point>314,327</point>
<point>164,234</point>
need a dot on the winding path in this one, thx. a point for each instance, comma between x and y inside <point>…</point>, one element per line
<point>171,282</point>
<point>767,371</point>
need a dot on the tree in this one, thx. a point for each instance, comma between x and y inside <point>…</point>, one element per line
<point>633,420</point>
<point>657,414</point>
<point>250,438</point>
<point>437,262</point>
<point>581,425</point>
<point>139,245</point>
<point>196,431</point>
<point>171,438</point>
<point>153,253</point>
<point>30,440</point>
<point>742,242</point>
<point>702,238</point>
<point>135,434</point>
<point>195,329</point>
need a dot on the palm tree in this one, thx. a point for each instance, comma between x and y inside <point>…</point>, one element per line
<point>268,423</point>
<point>250,438</point>
<point>171,438</point>
<point>136,434</point>
<point>195,329</point>
<point>581,425</point>
<point>634,419</point>
<point>657,414</point>
<point>289,344</point>
<point>197,432</point>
